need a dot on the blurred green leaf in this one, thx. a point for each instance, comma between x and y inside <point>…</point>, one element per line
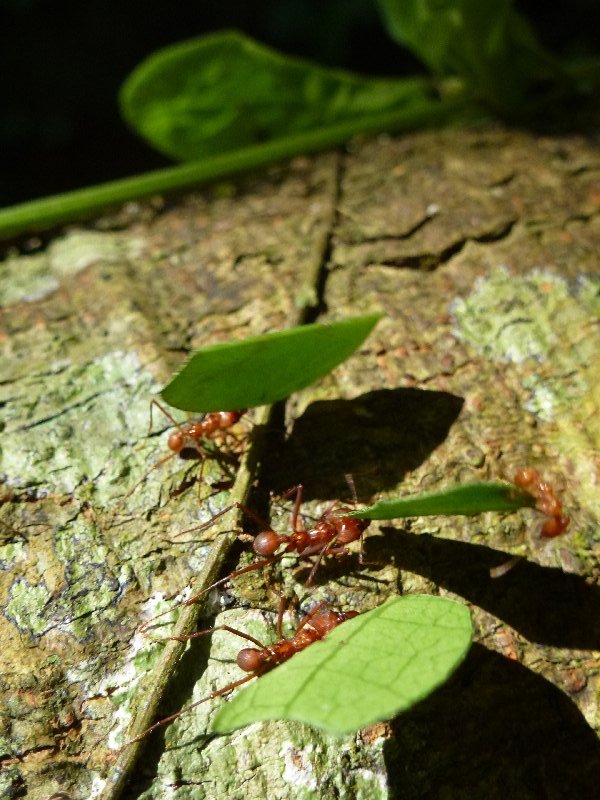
<point>263,369</point>
<point>487,44</point>
<point>469,498</point>
<point>366,670</point>
<point>225,91</point>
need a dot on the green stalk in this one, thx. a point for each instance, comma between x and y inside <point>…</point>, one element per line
<point>47,212</point>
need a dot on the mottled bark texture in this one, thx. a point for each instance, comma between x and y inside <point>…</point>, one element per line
<point>481,247</point>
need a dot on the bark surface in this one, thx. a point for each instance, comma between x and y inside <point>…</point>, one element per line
<point>481,248</point>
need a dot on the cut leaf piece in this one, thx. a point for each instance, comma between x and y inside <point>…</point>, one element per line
<point>470,498</point>
<point>366,670</point>
<point>263,369</point>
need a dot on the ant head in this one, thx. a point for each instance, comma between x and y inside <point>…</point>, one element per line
<point>267,542</point>
<point>176,441</point>
<point>250,659</point>
<point>227,418</point>
<point>349,529</point>
<point>525,477</point>
<point>554,526</point>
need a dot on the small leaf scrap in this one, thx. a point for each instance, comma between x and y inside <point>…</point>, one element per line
<point>467,499</point>
<point>266,368</point>
<point>366,670</point>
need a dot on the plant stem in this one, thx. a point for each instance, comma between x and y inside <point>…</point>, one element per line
<point>47,212</point>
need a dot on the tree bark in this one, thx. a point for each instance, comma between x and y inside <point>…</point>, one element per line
<point>481,248</point>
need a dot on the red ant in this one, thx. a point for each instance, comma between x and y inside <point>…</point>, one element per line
<point>189,434</point>
<point>333,527</point>
<point>262,658</point>
<point>546,501</point>
<point>329,536</point>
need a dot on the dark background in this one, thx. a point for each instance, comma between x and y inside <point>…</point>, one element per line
<point>62,63</point>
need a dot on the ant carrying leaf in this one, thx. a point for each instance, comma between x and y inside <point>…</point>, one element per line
<point>530,481</point>
<point>261,658</point>
<point>191,434</point>
<point>329,535</point>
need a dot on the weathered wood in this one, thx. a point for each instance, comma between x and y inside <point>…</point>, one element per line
<point>481,247</point>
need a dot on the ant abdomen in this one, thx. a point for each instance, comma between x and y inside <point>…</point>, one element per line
<point>267,542</point>
<point>250,659</point>
<point>176,441</point>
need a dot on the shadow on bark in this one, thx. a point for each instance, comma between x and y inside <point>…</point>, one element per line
<point>494,730</point>
<point>544,604</point>
<point>377,437</point>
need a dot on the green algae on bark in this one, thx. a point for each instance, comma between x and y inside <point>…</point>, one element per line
<point>30,278</point>
<point>545,326</point>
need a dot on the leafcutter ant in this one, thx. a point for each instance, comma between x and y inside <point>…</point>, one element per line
<point>546,501</point>
<point>530,481</point>
<point>330,535</point>
<point>190,434</point>
<point>261,658</point>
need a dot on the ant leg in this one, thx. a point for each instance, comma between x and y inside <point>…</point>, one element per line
<point>297,503</point>
<point>218,693</point>
<point>235,574</point>
<point>247,511</point>
<point>502,569</point>
<point>228,628</point>
<point>145,475</point>
<point>306,619</point>
<point>164,411</point>
<point>202,452</point>
<point>232,575</point>
<point>361,554</point>
<point>264,525</point>
<point>229,435</point>
<point>361,551</point>
<point>215,517</point>
<point>309,616</point>
<point>203,460</point>
<point>296,509</point>
<point>280,617</point>
<point>327,550</point>
<point>197,597</point>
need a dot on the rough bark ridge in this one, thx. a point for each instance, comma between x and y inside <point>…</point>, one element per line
<point>481,248</point>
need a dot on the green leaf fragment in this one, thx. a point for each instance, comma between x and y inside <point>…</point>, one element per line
<point>263,369</point>
<point>225,91</point>
<point>368,669</point>
<point>490,46</point>
<point>470,498</point>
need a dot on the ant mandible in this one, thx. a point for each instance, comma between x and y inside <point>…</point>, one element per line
<point>262,658</point>
<point>189,434</point>
<point>546,501</point>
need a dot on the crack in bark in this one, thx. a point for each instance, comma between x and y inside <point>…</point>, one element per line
<point>62,412</point>
<point>584,169</point>
<point>503,182</point>
<point>430,213</point>
<point>429,262</point>
<point>312,313</point>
